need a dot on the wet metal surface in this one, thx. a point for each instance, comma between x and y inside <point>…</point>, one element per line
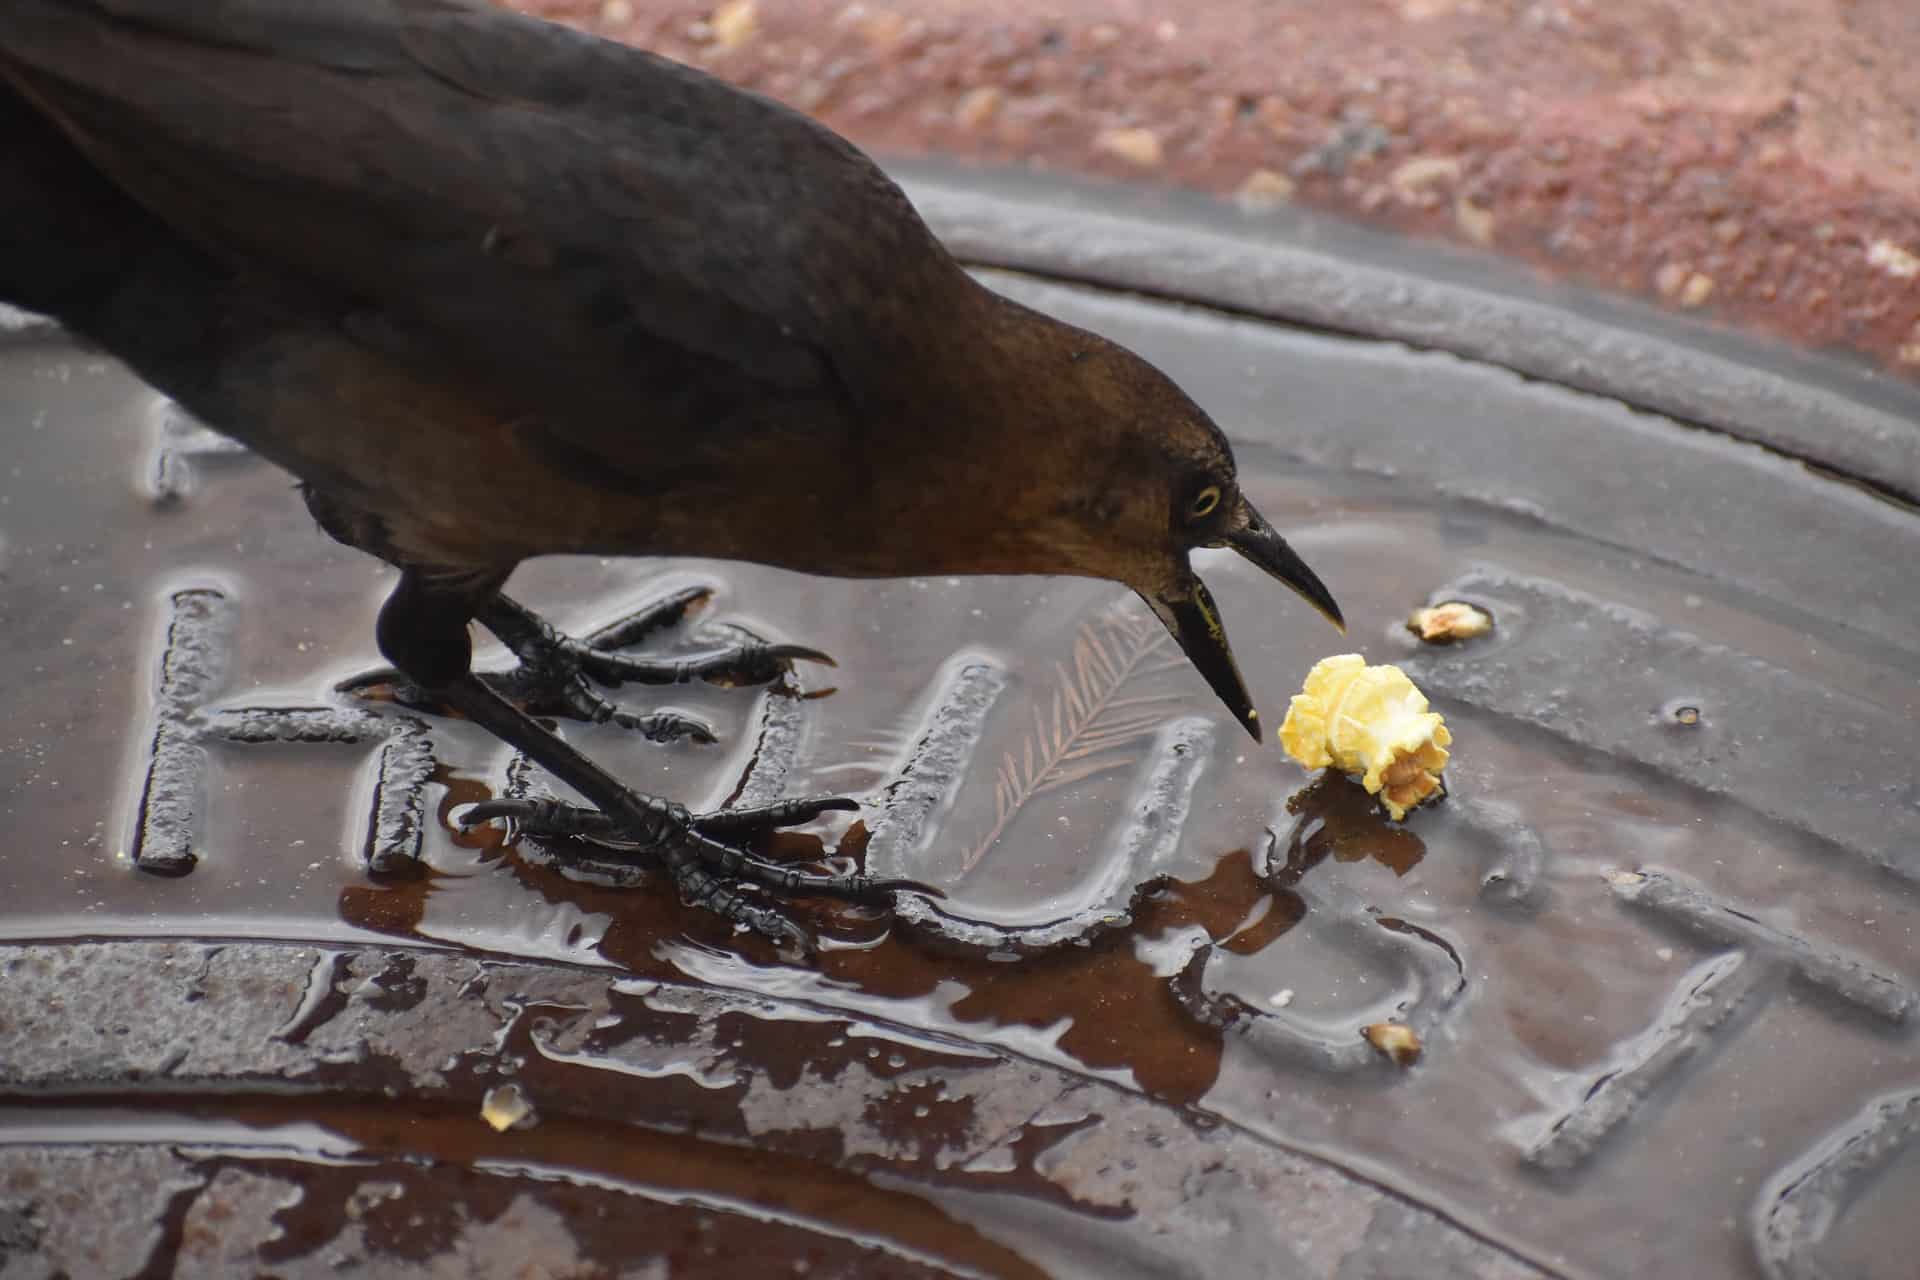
<point>1306,269</point>
<point>1658,943</point>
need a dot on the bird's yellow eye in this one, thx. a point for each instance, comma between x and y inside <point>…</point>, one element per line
<point>1204,502</point>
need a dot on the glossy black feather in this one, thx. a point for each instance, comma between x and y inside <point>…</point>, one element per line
<point>616,238</point>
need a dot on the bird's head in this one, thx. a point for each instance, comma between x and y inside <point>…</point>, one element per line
<point>1131,477</point>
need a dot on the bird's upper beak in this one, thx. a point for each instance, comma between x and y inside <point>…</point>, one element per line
<point>1187,609</point>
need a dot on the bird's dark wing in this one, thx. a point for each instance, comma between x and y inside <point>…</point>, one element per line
<point>583,217</point>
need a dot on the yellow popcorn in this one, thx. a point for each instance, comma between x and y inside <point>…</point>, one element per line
<point>1446,623</point>
<point>1372,723</point>
<point>508,1107</point>
<point>1396,1041</point>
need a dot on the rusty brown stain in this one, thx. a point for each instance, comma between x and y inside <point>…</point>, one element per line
<point>1124,1016</point>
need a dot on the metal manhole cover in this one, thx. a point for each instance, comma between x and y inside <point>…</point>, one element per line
<point>1658,943</point>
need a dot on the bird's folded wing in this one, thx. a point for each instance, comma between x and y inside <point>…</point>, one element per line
<point>602,218</point>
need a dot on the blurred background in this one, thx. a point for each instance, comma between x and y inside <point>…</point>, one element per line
<point>1749,160</point>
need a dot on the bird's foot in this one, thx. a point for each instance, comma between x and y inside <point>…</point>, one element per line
<point>555,669</point>
<point>556,672</point>
<point>702,852</point>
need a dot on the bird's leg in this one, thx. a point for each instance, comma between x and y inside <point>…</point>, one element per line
<point>423,632</point>
<point>554,668</point>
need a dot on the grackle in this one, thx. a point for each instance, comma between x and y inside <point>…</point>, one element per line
<point>492,288</point>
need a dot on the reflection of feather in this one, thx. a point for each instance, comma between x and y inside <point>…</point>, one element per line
<point>1086,727</point>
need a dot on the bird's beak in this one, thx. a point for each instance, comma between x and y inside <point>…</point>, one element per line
<point>1187,609</point>
<point>1256,540</point>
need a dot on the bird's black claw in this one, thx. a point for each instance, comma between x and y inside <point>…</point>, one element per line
<point>539,818</point>
<point>666,726</point>
<point>781,813</point>
<point>799,653</point>
<point>657,615</point>
<point>750,662</point>
<point>554,670</point>
<point>701,853</point>
<point>700,888</point>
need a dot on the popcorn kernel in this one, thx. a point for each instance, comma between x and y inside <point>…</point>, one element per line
<point>1372,723</point>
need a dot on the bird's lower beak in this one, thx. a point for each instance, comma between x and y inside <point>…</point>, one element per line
<point>1188,611</point>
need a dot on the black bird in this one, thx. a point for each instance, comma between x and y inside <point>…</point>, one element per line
<point>492,288</point>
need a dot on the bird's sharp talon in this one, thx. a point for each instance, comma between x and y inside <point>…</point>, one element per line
<point>478,812</point>
<point>374,680</point>
<point>801,653</point>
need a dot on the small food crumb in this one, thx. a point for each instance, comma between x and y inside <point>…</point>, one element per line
<point>978,106</point>
<point>734,23</point>
<point>1680,282</point>
<point>1416,181</point>
<point>1475,221</point>
<point>1399,1042</point>
<point>1264,189</point>
<point>881,29</point>
<point>1445,623</point>
<point>1894,259</point>
<point>1372,723</point>
<point>507,1107</point>
<point>1283,997</point>
<point>1135,146</point>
